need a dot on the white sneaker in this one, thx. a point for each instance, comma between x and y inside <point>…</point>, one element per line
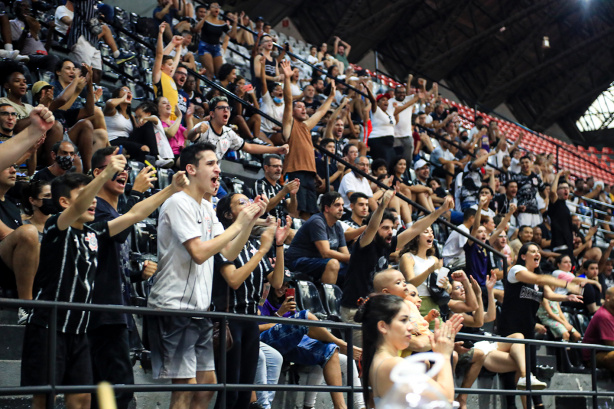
<point>9,54</point>
<point>536,384</point>
<point>164,163</point>
<point>22,58</point>
<point>22,316</point>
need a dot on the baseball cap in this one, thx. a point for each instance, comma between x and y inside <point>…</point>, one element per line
<point>420,163</point>
<point>38,86</point>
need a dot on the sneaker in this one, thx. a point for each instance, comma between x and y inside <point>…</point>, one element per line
<point>536,384</point>
<point>164,163</point>
<point>9,54</point>
<point>22,58</point>
<point>23,315</point>
<point>124,57</point>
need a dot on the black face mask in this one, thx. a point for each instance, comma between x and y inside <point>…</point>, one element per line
<point>65,162</point>
<point>48,207</point>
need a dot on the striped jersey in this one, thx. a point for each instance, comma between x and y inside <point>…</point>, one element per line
<point>85,10</point>
<point>66,272</point>
<point>243,300</point>
<point>264,187</point>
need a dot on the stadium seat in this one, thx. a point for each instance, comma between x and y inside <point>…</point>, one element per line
<point>308,298</point>
<point>331,298</point>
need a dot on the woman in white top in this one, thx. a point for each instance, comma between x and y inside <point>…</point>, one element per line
<point>122,129</point>
<point>381,138</point>
<point>417,263</point>
<point>387,329</point>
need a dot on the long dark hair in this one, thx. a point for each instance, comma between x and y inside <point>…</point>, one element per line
<point>223,210</point>
<point>393,165</point>
<point>115,94</point>
<point>413,245</point>
<point>379,307</point>
<point>523,251</point>
<point>32,189</point>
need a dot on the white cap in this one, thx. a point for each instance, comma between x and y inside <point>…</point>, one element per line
<point>420,163</point>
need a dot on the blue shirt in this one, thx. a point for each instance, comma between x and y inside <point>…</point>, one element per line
<point>314,229</point>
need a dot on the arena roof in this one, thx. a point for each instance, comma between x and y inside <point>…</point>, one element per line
<point>490,51</point>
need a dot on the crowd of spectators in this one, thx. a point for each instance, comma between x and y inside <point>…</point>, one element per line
<point>69,200</point>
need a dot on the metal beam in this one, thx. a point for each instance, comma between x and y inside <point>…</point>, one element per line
<point>582,47</point>
<point>558,112</point>
<point>431,51</point>
<point>488,33</point>
<point>521,49</point>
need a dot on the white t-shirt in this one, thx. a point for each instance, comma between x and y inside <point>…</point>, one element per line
<point>118,126</point>
<point>453,249</point>
<point>61,12</point>
<point>227,140</point>
<point>403,126</point>
<point>269,107</point>
<point>180,282</point>
<point>351,183</point>
<point>486,212</point>
<point>420,266</point>
<point>164,147</point>
<point>383,124</point>
<point>515,166</point>
<point>511,275</point>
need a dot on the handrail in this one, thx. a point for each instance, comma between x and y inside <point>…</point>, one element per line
<point>53,389</point>
<point>477,105</point>
<point>597,202</point>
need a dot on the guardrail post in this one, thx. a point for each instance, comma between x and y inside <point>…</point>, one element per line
<point>350,367</point>
<point>51,363</point>
<point>326,159</point>
<point>222,367</point>
<point>527,355</point>
<point>557,158</point>
<point>594,377</point>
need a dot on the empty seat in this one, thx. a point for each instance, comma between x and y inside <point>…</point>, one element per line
<point>308,298</point>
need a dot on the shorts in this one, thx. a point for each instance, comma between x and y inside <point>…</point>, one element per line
<point>293,343</point>
<point>205,48</point>
<point>529,219</point>
<point>465,359</point>
<point>8,285</point>
<point>306,197</point>
<point>84,52</point>
<point>439,172</point>
<point>180,346</point>
<point>73,361</point>
<point>314,267</point>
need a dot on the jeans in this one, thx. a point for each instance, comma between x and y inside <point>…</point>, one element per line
<point>267,373</point>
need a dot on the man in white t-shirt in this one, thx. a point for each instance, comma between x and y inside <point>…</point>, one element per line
<point>353,183</point>
<point>453,252</point>
<point>217,133</point>
<point>189,235</point>
<point>403,107</point>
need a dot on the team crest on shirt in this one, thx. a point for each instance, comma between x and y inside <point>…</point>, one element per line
<point>92,241</point>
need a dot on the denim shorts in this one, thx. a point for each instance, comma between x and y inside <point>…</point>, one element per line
<point>293,343</point>
<point>205,48</point>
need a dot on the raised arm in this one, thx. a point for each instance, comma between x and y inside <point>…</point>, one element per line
<point>501,227</point>
<point>422,224</point>
<point>369,234</point>
<point>328,133</point>
<point>323,109</point>
<point>235,21</point>
<point>157,68</point>
<point>370,96</point>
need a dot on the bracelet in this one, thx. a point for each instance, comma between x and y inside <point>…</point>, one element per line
<point>279,245</point>
<point>277,313</point>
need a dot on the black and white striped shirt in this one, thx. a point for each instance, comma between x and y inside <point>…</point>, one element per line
<point>264,187</point>
<point>85,10</point>
<point>66,272</point>
<point>243,300</point>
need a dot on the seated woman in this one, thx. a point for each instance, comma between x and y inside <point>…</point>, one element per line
<point>246,119</point>
<point>417,193</point>
<point>302,344</point>
<point>122,128</point>
<point>177,134</point>
<point>386,330</point>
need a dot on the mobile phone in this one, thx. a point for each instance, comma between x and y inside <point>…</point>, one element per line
<point>468,344</point>
<point>290,292</point>
<point>248,88</point>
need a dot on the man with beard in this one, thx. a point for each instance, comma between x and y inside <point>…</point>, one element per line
<point>403,106</point>
<point>528,185</point>
<point>183,100</point>
<point>562,236</point>
<point>219,134</point>
<point>372,253</point>
<point>319,248</point>
<point>63,155</point>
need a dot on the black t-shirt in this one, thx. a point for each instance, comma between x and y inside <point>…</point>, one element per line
<point>527,190</point>
<point>364,263</point>
<point>211,33</point>
<point>9,213</point>
<point>546,233</point>
<point>44,174</point>
<point>112,279</point>
<point>561,225</point>
<point>66,272</point>
<point>332,168</point>
<point>315,104</point>
<point>520,305</point>
<point>590,295</point>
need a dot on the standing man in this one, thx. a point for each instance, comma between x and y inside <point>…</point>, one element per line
<point>296,130</point>
<point>562,228</point>
<point>189,235</point>
<point>402,107</point>
<point>528,189</point>
<point>83,36</point>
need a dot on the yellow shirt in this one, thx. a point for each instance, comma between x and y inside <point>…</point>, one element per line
<point>166,87</point>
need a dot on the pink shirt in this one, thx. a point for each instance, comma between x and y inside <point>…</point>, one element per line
<point>177,142</point>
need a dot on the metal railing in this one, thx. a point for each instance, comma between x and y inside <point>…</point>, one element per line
<point>53,388</point>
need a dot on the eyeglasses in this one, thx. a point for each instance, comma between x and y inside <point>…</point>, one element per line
<point>245,202</point>
<point>458,287</point>
<point>4,113</point>
<point>126,167</point>
<point>223,108</point>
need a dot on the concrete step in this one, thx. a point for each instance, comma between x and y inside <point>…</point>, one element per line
<point>11,341</point>
<point>8,316</point>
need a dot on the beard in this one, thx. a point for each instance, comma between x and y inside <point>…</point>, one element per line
<point>381,242</point>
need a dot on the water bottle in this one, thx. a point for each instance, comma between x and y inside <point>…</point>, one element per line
<point>411,385</point>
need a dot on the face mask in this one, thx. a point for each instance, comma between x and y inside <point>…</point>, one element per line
<point>277,100</point>
<point>48,207</point>
<point>65,162</point>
